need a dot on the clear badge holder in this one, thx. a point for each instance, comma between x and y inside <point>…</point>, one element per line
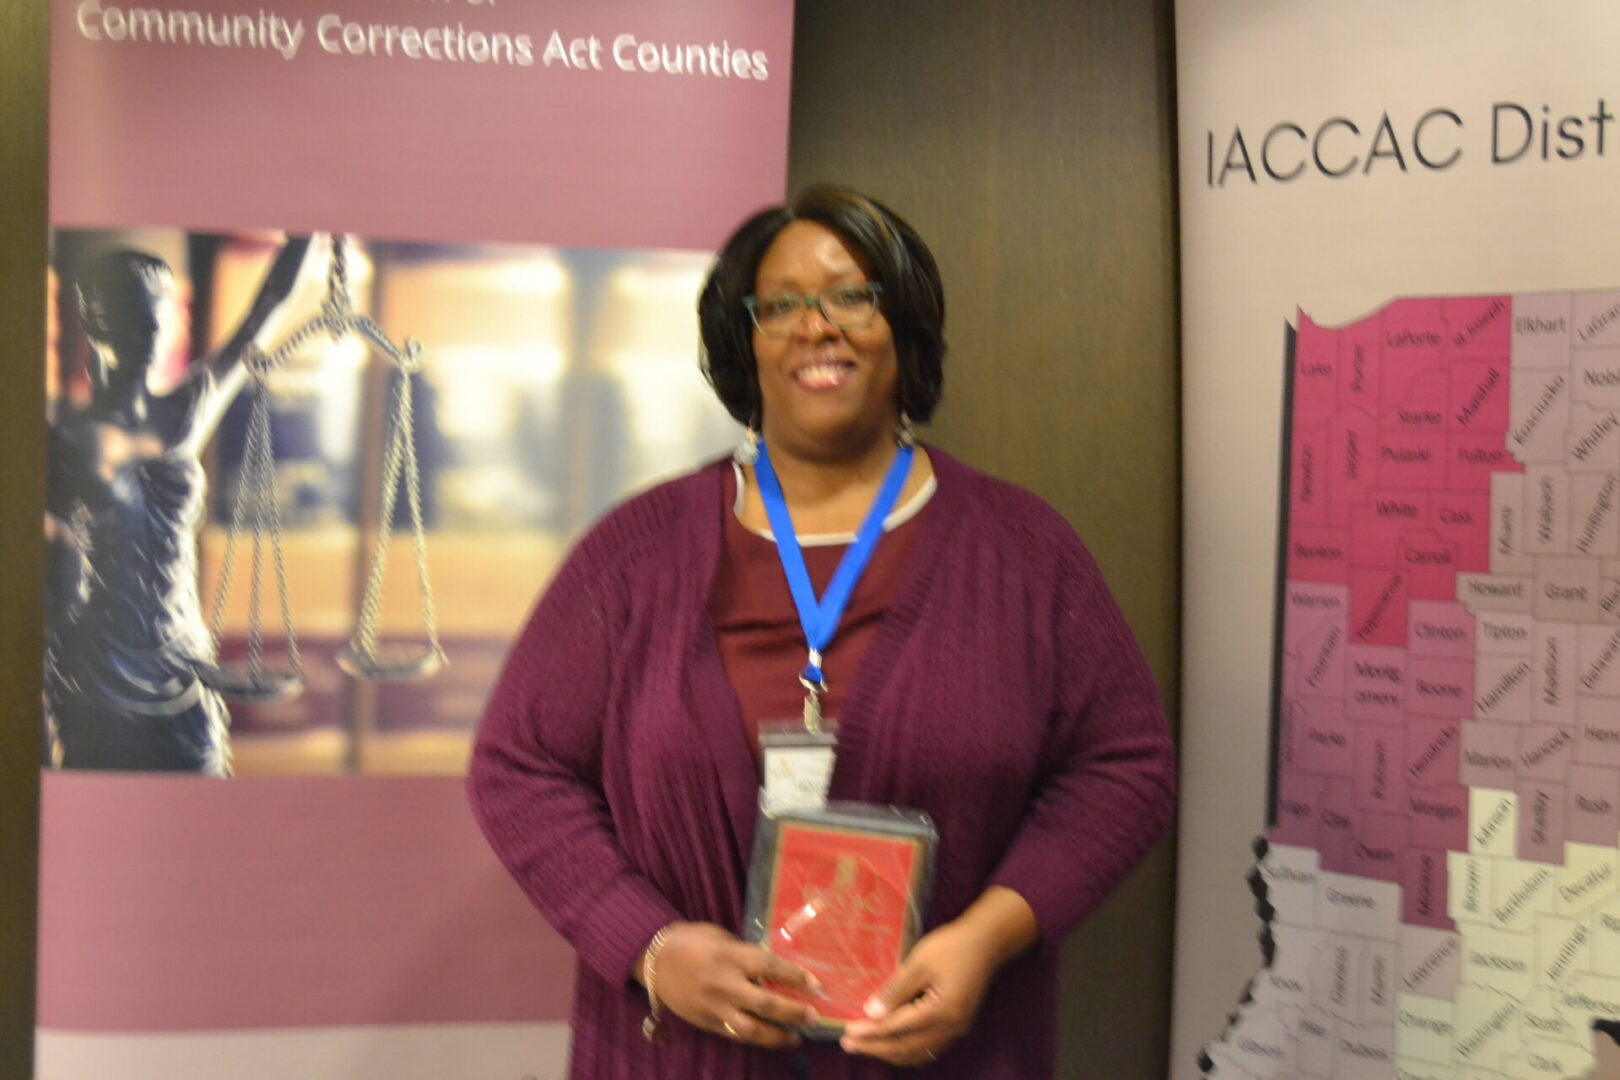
<point>797,764</point>
<point>840,889</point>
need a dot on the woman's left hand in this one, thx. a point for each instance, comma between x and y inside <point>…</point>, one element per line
<point>930,1002</point>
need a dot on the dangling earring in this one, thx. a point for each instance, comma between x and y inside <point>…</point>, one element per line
<point>904,433</point>
<point>747,451</point>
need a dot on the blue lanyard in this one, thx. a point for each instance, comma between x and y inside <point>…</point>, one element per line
<point>820,619</point>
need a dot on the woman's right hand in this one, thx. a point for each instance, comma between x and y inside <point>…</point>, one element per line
<point>710,979</point>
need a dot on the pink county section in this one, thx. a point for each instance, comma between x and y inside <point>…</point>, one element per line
<point>1397,423</point>
<point>185,904</point>
<point>215,138</point>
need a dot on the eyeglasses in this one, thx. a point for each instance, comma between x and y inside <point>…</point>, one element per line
<point>848,307</point>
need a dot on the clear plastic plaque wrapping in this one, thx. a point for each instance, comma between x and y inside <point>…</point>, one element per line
<point>840,890</point>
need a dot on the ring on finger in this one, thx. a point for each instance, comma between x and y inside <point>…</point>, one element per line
<point>729,1029</point>
<point>931,1055</point>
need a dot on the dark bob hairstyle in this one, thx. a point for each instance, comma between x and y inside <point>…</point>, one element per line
<point>913,301</point>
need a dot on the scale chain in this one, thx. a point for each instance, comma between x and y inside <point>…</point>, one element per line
<point>273,508</point>
<point>258,421</point>
<point>366,632</point>
<point>374,334</point>
<point>413,484</point>
<point>337,282</point>
<point>227,568</point>
<point>245,478</point>
<point>257,477</point>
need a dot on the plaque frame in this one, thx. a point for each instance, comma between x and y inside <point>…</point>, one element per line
<point>841,890</point>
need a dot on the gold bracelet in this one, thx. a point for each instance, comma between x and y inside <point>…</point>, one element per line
<point>649,978</point>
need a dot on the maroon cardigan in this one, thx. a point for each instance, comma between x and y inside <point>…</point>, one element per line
<point>1003,694</point>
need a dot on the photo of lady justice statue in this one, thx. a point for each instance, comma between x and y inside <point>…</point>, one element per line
<point>126,494</point>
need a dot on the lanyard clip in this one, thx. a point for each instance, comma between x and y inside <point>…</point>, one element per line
<point>815,684</point>
<point>811,677</point>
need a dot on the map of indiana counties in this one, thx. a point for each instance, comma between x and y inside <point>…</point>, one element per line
<point>1440,882</point>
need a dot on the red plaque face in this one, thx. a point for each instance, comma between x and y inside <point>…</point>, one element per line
<point>841,906</point>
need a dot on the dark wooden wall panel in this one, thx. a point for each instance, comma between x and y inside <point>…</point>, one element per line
<point>22,504</point>
<point>1032,145</point>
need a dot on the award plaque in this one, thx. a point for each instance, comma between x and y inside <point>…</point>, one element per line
<point>840,891</point>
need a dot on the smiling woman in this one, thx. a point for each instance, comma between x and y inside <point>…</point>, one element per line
<point>951,625</point>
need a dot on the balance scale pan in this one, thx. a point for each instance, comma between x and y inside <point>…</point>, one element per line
<point>391,663</point>
<point>239,682</point>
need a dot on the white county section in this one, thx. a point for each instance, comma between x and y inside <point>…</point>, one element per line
<point>416,1052</point>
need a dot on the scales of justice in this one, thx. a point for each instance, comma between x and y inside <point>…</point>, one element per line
<point>256,680</point>
<point>133,675</point>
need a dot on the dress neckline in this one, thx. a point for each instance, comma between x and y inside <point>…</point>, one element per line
<point>896,518</point>
<point>723,728</point>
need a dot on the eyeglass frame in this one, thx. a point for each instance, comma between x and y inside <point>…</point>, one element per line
<point>816,300</point>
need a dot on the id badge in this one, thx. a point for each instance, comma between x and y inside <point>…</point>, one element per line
<point>798,766</point>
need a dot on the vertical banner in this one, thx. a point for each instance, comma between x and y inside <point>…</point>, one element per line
<point>359,313</point>
<point>1402,410</point>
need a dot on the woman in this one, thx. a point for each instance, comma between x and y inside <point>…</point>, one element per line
<point>126,492</point>
<point>981,674</point>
